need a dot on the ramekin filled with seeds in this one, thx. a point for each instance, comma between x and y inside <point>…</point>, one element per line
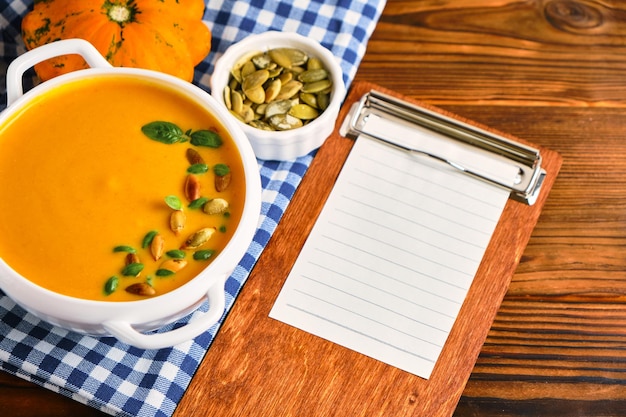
<point>284,89</point>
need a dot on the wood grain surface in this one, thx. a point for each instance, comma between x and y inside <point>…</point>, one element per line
<point>550,72</point>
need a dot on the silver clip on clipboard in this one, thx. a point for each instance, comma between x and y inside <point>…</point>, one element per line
<point>375,105</point>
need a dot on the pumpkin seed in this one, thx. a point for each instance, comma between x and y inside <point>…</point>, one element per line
<point>314,63</point>
<point>174,264</point>
<point>313,75</point>
<point>236,100</point>
<point>323,100</point>
<point>177,221</point>
<point>141,288</point>
<point>288,57</point>
<point>247,69</point>
<point>132,258</point>
<point>199,238</point>
<point>316,86</point>
<point>215,206</point>
<point>260,124</point>
<point>192,188</point>
<point>289,90</point>
<point>272,90</point>
<point>285,77</point>
<point>255,94</point>
<point>222,182</point>
<point>310,99</point>
<point>255,79</point>
<point>247,114</point>
<point>227,96</point>
<point>156,246</point>
<point>285,122</point>
<point>303,112</point>
<point>262,61</point>
<point>277,107</point>
<point>194,157</point>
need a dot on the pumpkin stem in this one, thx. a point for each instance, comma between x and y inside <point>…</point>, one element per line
<point>120,12</point>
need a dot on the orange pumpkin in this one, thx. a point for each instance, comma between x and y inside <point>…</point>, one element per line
<point>162,35</point>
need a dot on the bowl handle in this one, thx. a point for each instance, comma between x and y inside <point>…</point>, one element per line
<point>24,62</point>
<point>125,332</point>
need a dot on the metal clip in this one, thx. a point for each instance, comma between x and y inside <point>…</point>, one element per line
<point>528,181</point>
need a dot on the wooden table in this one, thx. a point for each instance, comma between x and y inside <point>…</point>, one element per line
<point>552,72</point>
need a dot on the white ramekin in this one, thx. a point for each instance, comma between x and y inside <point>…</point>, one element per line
<point>288,144</point>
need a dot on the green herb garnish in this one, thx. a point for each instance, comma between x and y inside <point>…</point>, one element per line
<point>124,248</point>
<point>164,132</point>
<point>132,269</point>
<point>173,202</point>
<point>206,138</point>
<point>197,203</point>
<point>203,255</point>
<point>163,273</point>
<point>198,169</point>
<point>147,239</point>
<point>221,169</point>
<point>111,285</point>
<point>176,253</point>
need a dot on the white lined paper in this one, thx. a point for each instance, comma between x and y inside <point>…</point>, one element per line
<point>390,259</point>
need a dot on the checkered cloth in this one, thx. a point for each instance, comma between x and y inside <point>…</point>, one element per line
<point>112,376</point>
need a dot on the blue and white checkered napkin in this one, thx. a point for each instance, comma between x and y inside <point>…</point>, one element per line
<point>110,375</point>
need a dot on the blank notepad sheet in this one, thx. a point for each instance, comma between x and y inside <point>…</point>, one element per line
<point>391,257</point>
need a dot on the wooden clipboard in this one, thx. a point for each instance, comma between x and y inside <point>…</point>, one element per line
<point>259,366</point>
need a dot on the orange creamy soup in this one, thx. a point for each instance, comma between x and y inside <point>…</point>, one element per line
<point>90,189</point>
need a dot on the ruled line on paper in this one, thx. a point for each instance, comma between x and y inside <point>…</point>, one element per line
<point>389,261</point>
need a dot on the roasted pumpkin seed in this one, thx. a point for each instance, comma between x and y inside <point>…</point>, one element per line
<point>177,221</point>
<point>316,86</point>
<point>313,75</point>
<point>157,246</point>
<point>174,264</point>
<point>194,157</point>
<point>285,122</point>
<point>198,238</point>
<point>303,112</point>
<point>222,182</point>
<point>288,90</point>
<point>141,288</point>
<point>215,206</point>
<point>192,188</point>
<point>288,57</point>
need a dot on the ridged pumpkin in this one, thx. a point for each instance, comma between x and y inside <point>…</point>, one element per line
<point>162,35</point>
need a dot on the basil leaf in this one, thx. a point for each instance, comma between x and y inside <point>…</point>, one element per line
<point>147,239</point>
<point>111,285</point>
<point>173,202</point>
<point>164,132</point>
<point>203,255</point>
<point>197,203</point>
<point>221,169</point>
<point>132,270</point>
<point>124,248</point>
<point>176,253</point>
<point>198,168</point>
<point>206,138</point>
<point>163,273</point>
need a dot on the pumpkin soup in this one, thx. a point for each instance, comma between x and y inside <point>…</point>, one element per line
<point>116,188</point>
